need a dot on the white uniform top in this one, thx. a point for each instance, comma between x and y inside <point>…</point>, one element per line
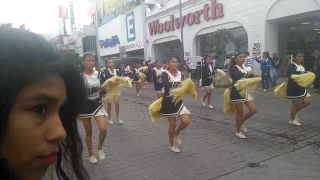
<point>114,73</point>
<point>92,81</point>
<point>177,78</point>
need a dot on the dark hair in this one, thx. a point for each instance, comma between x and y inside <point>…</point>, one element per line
<point>295,53</point>
<point>84,57</point>
<point>233,60</point>
<point>158,61</point>
<point>25,58</point>
<point>266,54</point>
<point>247,53</point>
<point>205,58</point>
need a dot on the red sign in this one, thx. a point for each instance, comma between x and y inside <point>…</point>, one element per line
<point>63,12</point>
<point>209,13</point>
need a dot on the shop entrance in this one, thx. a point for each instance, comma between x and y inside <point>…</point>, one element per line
<point>299,35</point>
<point>163,51</point>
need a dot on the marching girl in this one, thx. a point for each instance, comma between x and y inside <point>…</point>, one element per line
<point>171,79</point>
<point>237,72</point>
<point>207,82</point>
<point>109,72</point>
<point>157,74</point>
<point>138,77</point>
<point>298,94</point>
<point>93,107</point>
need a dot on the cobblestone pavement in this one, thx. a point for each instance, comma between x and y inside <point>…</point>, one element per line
<point>273,148</point>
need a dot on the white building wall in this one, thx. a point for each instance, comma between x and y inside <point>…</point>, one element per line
<point>258,17</point>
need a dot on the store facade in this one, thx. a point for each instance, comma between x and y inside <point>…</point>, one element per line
<point>124,30</point>
<point>256,26</point>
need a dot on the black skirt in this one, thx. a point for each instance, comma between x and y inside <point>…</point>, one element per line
<point>294,91</point>
<point>235,96</point>
<point>90,108</point>
<point>168,108</point>
<point>206,82</point>
<point>158,87</point>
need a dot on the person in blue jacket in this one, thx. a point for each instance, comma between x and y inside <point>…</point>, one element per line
<point>265,66</point>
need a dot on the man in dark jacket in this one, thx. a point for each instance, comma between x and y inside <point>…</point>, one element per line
<point>275,62</point>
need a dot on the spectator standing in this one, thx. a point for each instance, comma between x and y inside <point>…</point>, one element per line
<point>275,62</point>
<point>317,72</point>
<point>248,62</point>
<point>265,65</point>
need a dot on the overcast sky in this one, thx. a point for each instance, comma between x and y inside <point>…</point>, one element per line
<point>40,16</point>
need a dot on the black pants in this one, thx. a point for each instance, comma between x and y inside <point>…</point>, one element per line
<point>317,80</point>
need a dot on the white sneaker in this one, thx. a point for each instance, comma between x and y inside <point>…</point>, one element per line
<point>243,129</point>
<point>178,139</point>
<point>110,121</point>
<point>102,156</point>
<point>211,107</point>
<point>120,122</point>
<point>240,135</point>
<point>295,122</point>
<point>174,149</point>
<point>138,95</point>
<point>203,103</point>
<point>93,160</point>
<point>296,117</point>
<point>264,90</point>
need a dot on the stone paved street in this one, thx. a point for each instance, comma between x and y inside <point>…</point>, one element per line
<point>273,148</point>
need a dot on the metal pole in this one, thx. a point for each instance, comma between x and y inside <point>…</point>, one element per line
<point>144,32</point>
<point>97,33</point>
<point>181,30</point>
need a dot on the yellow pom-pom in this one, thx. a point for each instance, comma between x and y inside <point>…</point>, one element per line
<point>154,110</point>
<point>142,76</point>
<point>281,91</point>
<point>228,107</point>
<point>247,85</point>
<point>113,85</point>
<point>221,73</point>
<point>187,87</point>
<point>304,80</point>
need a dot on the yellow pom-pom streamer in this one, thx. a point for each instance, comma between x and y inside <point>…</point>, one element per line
<point>281,91</point>
<point>304,80</point>
<point>142,76</point>
<point>113,85</point>
<point>228,107</point>
<point>221,73</point>
<point>187,87</point>
<point>247,85</point>
<point>154,110</point>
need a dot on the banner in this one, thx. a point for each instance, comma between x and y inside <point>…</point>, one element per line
<point>63,12</point>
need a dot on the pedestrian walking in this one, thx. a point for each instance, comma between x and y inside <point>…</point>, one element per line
<point>265,66</point>
<point>237,72</point>
<point>171,79</point>
<point>109,72</point>
<point>275,66</point>
<point>208,72</point>
<point>93,107</point>
<point>298,94</point>
<point>157,81</point>
<point>41,97</point>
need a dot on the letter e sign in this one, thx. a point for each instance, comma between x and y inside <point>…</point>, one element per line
<point>130,25</point>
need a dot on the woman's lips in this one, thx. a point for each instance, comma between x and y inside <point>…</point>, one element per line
<point>48,159</point>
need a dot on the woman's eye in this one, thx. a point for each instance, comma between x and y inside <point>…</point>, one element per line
<point>40,109</point>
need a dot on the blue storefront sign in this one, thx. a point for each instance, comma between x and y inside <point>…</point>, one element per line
<point>130,26</point>
<point>109,42</point>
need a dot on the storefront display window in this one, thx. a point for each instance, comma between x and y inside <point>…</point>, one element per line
<point>237,41</point>
<point>165,50</point>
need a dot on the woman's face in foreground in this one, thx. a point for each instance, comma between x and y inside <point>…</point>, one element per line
<point>34,128</point>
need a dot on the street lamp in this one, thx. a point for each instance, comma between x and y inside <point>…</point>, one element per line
<point>181,30</point>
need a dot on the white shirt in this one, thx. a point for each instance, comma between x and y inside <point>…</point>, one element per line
<point>175,78</point>
<point>114,73</point>
<point>92,81</point>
